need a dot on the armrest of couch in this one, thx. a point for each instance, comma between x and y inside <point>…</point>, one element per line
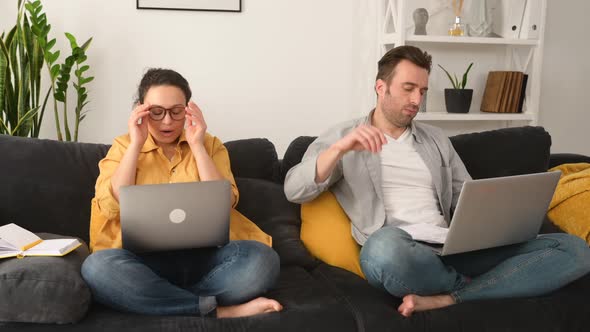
<point>557,159</point>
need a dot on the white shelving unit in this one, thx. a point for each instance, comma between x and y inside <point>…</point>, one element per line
<point>395,27</point>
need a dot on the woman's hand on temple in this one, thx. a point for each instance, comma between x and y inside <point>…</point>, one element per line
<point>138,125</point>
<point>195,125</point>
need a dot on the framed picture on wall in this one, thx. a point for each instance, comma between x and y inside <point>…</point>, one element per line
<point>202,5</point>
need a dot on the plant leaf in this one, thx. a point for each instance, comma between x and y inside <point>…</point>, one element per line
<point>449,76</point>
<point>59,96</point>
<point>87,80</point>
<point>72,40</point>
<point>25,120</point>
<point>54,71</point>
<point>50,44</point>
<point>52,57</point>
<point>86,44</point>
<point>464,83</point>
<point>3,67</point>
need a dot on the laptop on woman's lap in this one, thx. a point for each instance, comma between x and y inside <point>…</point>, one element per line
<point>175,216</point>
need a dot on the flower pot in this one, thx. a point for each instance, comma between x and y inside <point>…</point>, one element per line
<point>458,100</point>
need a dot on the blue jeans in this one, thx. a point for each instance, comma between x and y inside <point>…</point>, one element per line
<point>391,260</point>
<point>184,282</point>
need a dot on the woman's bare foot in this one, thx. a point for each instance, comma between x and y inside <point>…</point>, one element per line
<point>257,306</point>
<point>413,303</point>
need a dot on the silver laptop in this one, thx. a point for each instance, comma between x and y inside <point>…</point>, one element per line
<point>160,217</point>
<point>499,211</point>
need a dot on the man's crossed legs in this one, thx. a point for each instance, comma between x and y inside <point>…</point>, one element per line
<point>391,260</point>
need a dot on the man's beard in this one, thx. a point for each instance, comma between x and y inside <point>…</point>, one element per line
<point>397,119</point>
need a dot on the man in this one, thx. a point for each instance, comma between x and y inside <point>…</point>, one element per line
<point>396,178</point>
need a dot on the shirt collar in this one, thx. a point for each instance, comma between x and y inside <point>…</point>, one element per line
<point>367,121</point>
<point>151,145</point>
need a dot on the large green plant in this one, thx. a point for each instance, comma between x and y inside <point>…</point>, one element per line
<point>19,79</point>
<point>25,51</point>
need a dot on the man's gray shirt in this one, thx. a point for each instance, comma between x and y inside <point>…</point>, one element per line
<point>356,179</point>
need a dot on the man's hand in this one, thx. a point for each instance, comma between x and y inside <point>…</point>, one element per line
<point>363,137</point>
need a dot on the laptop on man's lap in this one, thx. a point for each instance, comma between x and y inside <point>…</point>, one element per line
<point>499,211</point>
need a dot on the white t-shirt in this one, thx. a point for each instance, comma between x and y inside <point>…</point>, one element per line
<point>408,192</point>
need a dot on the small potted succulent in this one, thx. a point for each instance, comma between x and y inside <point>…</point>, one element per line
<point>458,99</point>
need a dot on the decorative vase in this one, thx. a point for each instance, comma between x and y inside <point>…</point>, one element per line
<point>458,28</point>
<point>458,100</point>
<point>479,22</point>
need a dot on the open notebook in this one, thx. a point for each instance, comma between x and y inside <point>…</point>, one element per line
<point>16,241</point>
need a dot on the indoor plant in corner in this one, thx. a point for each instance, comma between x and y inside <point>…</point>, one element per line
<point>458,99</point>
<point>24,52</point>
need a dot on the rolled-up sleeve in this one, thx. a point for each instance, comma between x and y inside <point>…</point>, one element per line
<point>300,185</point>
<point>107,204</point>
<point>105,230</point>
<point>220,158</point>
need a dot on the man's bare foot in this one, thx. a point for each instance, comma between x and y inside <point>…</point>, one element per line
<point>413,303</point>
<point>257,306</point>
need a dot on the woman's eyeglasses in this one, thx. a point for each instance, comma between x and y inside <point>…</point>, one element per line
<point>157,113</point>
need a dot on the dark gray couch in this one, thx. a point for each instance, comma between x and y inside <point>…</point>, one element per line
<point>46,186</point>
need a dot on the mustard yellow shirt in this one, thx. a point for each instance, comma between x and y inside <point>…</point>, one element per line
<point>153,167</point>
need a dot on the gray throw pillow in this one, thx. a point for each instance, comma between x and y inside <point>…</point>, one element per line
<point>44,289</point>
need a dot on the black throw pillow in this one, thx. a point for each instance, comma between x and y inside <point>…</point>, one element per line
<point>44,289</point>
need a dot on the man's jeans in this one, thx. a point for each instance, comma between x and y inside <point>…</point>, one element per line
<point>184,282</point>
<point>391,260</point>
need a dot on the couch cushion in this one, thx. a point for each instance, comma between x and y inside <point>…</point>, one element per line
<point>264,203</point>
<point>253,158</point>
<point>47,185</point>
<point>562,310</point>
<point>44,289</point>
<point>307,306</point>
<point>503,152</point>
<point>325,232</point>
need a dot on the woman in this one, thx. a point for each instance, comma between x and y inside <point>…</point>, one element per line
<point>221,282</point>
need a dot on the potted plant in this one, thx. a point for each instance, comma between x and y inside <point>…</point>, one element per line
<point>24,53</point>
<point>458,99</point>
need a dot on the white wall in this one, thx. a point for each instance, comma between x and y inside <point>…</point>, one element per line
<point>565,97</point>
<point>279,69</point>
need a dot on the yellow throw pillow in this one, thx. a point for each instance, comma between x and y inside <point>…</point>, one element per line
<point>325,231</point>
<point>569,206</point>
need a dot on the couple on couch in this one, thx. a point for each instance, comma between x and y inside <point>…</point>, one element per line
<point>384,169</point>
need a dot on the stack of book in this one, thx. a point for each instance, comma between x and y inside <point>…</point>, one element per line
<point>504,92</point>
